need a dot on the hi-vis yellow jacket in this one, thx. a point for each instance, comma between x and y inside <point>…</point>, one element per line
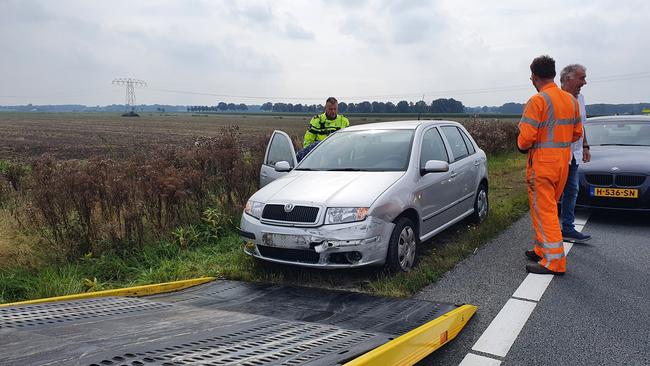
<point>319,127</point>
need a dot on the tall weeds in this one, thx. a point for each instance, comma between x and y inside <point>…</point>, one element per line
<point>102,205</point>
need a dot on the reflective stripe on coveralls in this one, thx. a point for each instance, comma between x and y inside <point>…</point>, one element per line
<point>550,122</point>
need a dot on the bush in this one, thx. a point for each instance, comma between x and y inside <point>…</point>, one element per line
<point>13,173</point>
<point>103,205</point>
<point>493,136</point>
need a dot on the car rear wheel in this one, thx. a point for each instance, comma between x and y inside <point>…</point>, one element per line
<point>402,247</point>
<point>481,205</point>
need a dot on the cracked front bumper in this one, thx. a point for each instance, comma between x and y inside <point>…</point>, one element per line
<point>347,245</point>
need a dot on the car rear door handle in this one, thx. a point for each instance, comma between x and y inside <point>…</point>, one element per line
<point>453,175</point>
<point>477,162</point>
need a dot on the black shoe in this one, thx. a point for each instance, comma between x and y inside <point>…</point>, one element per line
<point>533,256</point>
<point>539,269</point>
<point>574,236</point>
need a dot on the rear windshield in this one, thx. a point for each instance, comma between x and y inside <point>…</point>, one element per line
<point>368,150</point>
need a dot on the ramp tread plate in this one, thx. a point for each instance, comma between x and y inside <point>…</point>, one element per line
<point>349,310</point>
<point>220,323</point>
<point>271,343</point>
<point>170,334</point>
<point>69,311</point>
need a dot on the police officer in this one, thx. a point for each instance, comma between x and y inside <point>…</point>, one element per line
<point>323,124</point>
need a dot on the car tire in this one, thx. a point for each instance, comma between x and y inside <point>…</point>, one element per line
<point>402,248</point>
<point>481,205</point>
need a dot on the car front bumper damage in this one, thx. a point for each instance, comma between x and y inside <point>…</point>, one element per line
<point>346,245</point>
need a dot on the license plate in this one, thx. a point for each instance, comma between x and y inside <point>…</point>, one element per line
<point>284,241</point>
<point>614,192</point>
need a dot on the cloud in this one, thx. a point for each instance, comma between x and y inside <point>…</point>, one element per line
<point>287,48</point>
<point>295,31</point>
<point>255,14</point>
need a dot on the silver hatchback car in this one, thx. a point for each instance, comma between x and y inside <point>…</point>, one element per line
<point>366,195</point>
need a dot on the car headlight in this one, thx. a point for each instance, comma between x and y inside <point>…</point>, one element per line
<point>254,208</point>
<point>340,215</point>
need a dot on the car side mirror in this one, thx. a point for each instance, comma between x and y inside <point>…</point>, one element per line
<point>435,166</point>
<point>282,166</point>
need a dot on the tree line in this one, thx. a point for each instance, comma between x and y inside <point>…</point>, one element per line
<point>220,107</point>
<point>441,105</point>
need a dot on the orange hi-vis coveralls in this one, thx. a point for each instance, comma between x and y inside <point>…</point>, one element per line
<point>550,123</point>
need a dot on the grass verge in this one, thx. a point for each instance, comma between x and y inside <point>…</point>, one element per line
<point>167,261</point>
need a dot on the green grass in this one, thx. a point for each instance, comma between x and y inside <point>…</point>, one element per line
<point>166,261</point>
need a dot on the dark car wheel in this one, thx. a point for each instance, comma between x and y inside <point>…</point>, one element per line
<point>402,247</point>
<point>481,205</point>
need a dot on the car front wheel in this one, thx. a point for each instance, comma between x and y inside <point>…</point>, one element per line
<point>402,247</point>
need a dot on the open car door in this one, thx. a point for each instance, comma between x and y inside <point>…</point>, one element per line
<point>280,148</point>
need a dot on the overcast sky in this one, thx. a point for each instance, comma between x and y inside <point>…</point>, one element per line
<point>202,52</point>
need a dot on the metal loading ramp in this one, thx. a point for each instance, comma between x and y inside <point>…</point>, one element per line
<point>229,323</point>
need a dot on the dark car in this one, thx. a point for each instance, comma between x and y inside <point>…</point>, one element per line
<point>618,176</point>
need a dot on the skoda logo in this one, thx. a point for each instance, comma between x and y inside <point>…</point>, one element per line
<point>613,169</point>
<point>288,207</point>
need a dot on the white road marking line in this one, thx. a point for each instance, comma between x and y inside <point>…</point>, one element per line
<point>476,360</point>
<point>533,286</point>
<point>581,219</point>
<point>506,326</point>
<point>567,247</point>
<point>504,329</point>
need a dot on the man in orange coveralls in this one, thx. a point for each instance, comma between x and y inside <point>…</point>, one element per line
<point>550,123</point>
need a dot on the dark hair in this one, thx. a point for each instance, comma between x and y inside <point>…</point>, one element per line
<point>543,66</point>
<point>331,100</point>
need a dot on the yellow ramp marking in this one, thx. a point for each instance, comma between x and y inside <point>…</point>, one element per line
<point>128,291</point>
<point>415,345</point>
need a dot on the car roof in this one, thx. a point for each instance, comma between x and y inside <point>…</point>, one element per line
<point>626,118</point>
<point>399,125</point>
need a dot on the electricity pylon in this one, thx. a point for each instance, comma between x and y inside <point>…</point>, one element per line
<point>130,92</point>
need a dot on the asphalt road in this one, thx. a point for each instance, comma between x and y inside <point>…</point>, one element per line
<point>596,314</point>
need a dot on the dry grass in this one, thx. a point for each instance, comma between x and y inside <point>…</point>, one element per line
<point>16,246</point>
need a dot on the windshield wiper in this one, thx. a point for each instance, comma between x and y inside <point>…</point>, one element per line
<point>347,170</point>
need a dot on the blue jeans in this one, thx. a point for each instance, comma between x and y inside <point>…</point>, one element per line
<point>569,196</point>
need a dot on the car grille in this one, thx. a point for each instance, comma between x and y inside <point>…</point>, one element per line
<point>629,180</point>
<point>300,214</point>
<point>290,255</point>
<point>599,179</point>
<point>620,180</point>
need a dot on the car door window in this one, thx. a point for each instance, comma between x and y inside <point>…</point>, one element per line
<point>456,142</point>
<point>432,147</point>
<point>279,150</point>
<point>468,143</point>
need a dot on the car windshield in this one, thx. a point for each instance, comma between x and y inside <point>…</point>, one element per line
<point>621,133</point>
<point>366,150</point>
